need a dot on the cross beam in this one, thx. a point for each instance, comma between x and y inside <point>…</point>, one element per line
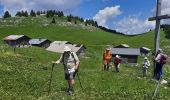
<point>159,17</point>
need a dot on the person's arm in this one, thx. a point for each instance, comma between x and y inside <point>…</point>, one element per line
<point>148,63</point>
<point>77,61</point>
<point>59,60</point>
<point>158,57</point>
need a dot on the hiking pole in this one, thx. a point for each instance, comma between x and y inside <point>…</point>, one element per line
<point>80,81</point>
<point>52,68</point>
<point>157,87</point>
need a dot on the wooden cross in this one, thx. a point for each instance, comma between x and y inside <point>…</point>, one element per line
<point>158,18</point>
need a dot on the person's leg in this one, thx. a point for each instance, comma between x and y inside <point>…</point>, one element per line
<point>143,70</point>
<point>155,74</point>
<point>105,67</point>
<point>161,71</point>
<point>108,66</point>
<point>71,83</point>
<point>116,66</point>
<point>146,73</point>
<point>67,78</point>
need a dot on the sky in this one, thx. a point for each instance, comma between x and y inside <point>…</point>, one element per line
<point>126,16</point>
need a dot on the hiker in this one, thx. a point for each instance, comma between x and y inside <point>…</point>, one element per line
<point>160,60</point>
<point>71,63</point>
<point>107,58</point>
<point>117,62</point>
<point>146,65</point>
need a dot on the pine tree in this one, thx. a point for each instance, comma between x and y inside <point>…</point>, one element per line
<point>60,14</point>
<point>38,12</point>
<point>24,13</point>
<point>7,15</point>
<point>32,13</point>
<point>53,21</point>
<point>75,22</point>
<point>19,14</point>
<point>69,18</point>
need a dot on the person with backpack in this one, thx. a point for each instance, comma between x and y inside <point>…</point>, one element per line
<point>117,62</point>
<point>107,57</point>
<point>146,65</point>
<point>160,60</point>
<point>71,64</point>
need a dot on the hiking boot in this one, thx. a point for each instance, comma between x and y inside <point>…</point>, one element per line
<point>70,92</point>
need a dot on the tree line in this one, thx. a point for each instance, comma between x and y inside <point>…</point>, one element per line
<point>166,29</point>
<point>52,13</point>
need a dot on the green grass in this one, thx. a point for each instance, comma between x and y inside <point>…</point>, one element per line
<point>25,74</point>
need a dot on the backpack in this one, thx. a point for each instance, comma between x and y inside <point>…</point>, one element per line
<point>164,59</point>
<point>117,60</point>
<point>75,61</point>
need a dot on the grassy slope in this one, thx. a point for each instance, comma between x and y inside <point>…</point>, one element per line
<point>21,78</point>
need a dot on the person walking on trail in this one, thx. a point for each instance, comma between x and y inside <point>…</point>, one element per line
<point>71,63</point>
<point>107,57</point>
<point>117,62</point>
<point>160,60</point>
<point>146,65</point>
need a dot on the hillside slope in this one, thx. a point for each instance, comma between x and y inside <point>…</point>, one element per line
<point>25,74</point>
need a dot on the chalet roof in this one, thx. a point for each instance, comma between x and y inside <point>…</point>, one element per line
<point>58,47</point>
<point>146,48</point>
<point>37,41</point>
<point>124,45</point>
<point>125,51</point>
<point>13,37</point>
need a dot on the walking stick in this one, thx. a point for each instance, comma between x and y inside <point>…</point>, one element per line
<point>157,87</point>
<point>80,81</point>
<point>52,68</point>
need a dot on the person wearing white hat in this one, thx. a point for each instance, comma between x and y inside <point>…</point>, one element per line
<point>71,63</point>
<point>117,61</point>
<point>146,65</point>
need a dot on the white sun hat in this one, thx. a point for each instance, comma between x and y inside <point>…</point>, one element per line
<point>66,48</point>
<point>117,56</point>
<point>108,49</point>
<point>146,58</point>
<point>160,50</point>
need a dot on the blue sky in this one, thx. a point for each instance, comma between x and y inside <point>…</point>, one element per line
<point>129,7</point>
<point>127,16</point>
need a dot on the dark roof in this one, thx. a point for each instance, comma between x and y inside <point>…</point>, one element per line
<point>125,51</point>
<point>37,41</point>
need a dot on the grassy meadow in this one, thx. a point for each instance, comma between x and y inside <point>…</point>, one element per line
<point>24,74</point>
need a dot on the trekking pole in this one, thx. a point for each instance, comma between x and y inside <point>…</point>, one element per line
<point>157,87</point>
<point>80,81</point>
<point>52,68</point>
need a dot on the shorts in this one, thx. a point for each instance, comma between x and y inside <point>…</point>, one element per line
<point>69,76</point>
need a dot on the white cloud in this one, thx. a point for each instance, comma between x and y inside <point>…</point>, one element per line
<point>107,15</point>
<point>165,6</point>
<point>127,25</point>
<point>165,10</point>
<point>16,5</point>
<point>132,25</point>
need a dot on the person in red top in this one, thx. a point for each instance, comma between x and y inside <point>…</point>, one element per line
<point>107,57</point>
<point>117,62</point>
